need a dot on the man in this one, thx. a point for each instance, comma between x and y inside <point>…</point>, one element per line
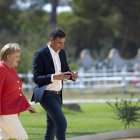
<point>50,68</point>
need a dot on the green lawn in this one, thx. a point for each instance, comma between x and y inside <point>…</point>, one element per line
<point>93,118</point>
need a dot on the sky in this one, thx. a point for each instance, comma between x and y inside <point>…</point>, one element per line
<point>59,9</point>
<point>47,7</point>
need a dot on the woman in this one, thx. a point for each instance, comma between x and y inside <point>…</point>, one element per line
<point>12,100</point>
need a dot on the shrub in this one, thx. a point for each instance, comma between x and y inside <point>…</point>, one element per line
<point>126,110</point>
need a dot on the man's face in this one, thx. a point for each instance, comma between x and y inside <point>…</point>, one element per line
<point>57,44</point>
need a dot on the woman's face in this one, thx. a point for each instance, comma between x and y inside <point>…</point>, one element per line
<point>13,59</point>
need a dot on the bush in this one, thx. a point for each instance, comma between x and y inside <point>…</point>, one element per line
<point>126,110</point>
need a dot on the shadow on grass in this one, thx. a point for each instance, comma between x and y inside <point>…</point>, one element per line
<point>36,136</point>
<point>39,136</point>
<point>72,134</point>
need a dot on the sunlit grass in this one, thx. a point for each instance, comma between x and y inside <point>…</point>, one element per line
<point>93,118</point>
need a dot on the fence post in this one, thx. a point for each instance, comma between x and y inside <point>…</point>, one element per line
<point>104,75</point>
<point>81,82</point>
<point>30,81</point>
<point>124,79</point>
<point>115,74</point>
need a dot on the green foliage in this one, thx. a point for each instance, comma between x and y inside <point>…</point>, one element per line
<point>36,4</point>
<point>119,19</point>
<point>6,4</point>
<point>126,111</point>
<point>91,10</point>
<point>30,21</point>
<point>93,25</point>
<point>98,33</point>
<point>96,37</point>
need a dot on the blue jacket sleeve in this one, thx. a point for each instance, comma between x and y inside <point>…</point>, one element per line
<point>39,75</point>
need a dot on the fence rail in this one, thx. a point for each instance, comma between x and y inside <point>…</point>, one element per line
<point>94,80</point>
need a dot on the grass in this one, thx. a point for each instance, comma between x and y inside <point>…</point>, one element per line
<point>93,118</point>
<point>96,93</point>
<point>100,93</point>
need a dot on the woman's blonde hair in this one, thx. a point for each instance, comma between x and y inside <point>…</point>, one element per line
<point>9,49</point>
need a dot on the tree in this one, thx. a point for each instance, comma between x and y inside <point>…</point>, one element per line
<point>39,4</point>
<point>125,26</point>
<point>130,24</point>
<point>7,15</point>
<point>92,19</point>
<point>89,10</point>
<point>53,15</point>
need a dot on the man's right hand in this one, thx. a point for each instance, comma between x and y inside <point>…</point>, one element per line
<point>62,76</point>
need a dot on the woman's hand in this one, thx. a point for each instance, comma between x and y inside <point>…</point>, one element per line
<point>31,109</point>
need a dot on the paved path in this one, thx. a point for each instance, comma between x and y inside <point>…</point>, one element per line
<point>134,132</point>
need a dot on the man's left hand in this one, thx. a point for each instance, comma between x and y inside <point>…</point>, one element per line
<point>74,75</point>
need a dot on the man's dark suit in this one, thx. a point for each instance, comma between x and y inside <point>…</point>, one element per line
<point>43,67</point>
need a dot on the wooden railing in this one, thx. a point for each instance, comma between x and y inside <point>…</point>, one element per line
<point>93,80</point>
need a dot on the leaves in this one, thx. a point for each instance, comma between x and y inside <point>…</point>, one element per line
<point>126,111</point>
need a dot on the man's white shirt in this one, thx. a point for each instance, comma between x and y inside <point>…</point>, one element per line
<point>56,85</point>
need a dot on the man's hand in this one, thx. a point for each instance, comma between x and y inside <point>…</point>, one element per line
<point>62,76</point>
<point>74,75</point>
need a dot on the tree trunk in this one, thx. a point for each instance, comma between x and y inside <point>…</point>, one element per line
<point>53,15</point>
<point>125,39</point>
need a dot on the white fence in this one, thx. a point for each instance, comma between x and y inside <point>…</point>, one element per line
<point>94,80</point>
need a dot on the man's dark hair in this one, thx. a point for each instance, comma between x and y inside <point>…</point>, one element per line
<point>57,33</point>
